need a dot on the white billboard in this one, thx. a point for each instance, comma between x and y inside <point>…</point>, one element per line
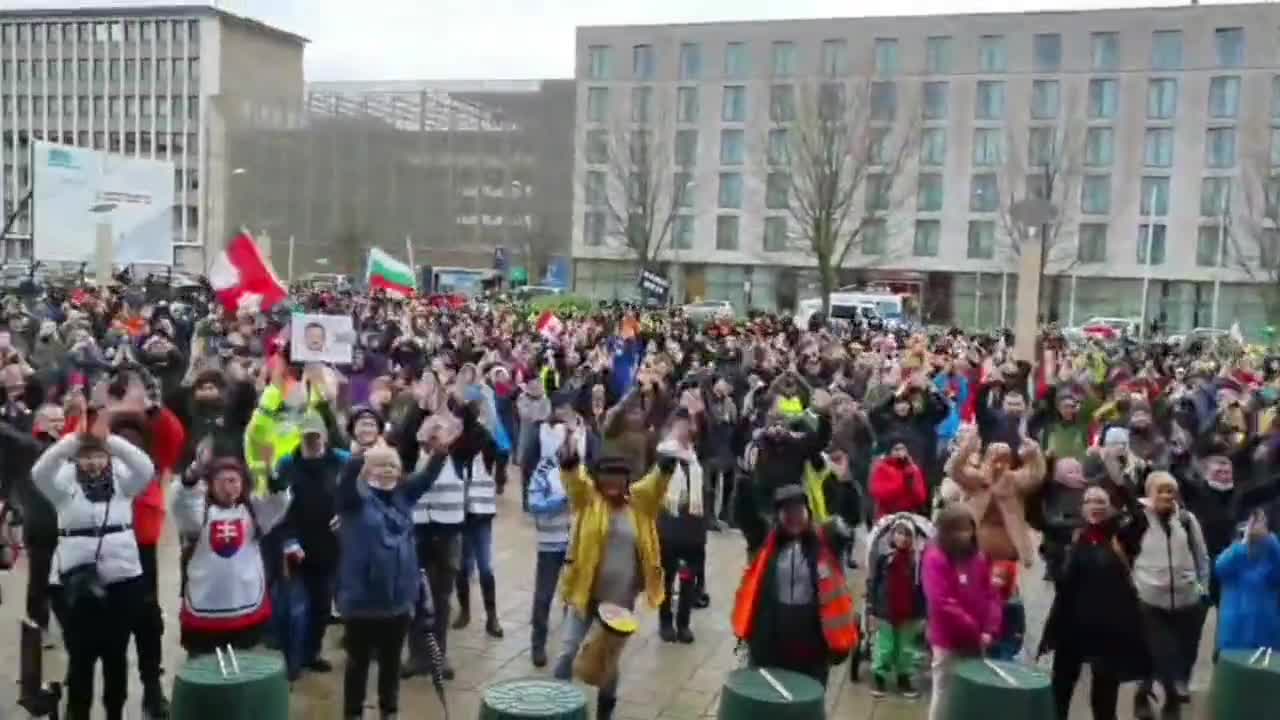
<point>77,189</point>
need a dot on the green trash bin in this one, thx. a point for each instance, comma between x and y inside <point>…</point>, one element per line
<point>1242,689</point>
<point>526,699</point>
<point>260,691</point>
<point>747,695</point>
<point>977,692</point>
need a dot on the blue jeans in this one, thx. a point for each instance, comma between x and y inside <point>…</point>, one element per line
<point>544,590</point>
<point>477,546</point>
<point>572,633</point>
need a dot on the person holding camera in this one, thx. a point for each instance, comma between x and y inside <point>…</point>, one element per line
<point>91,479</point>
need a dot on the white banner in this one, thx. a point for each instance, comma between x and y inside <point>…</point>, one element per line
<point>78,189</point>
<point>321,338</point>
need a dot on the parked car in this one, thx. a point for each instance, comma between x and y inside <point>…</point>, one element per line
<point>528,292</point>
<point>1207,336</point>
<point>708,311</point>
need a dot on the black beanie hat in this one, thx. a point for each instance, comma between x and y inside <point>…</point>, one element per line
<point>359,412</point>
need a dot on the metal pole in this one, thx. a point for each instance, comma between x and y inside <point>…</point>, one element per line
<point>408,245</point>
<point>1222,255</point>
<point>290,258</point>
<point>1004,298</point>
<point>977,301</point>
<point>1146,260</point>
<point>1071,310</point>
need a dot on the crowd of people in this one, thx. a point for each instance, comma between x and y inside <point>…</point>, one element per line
<point>1139,474</point>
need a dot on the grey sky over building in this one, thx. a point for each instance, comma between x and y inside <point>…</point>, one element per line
<point>413,39</point>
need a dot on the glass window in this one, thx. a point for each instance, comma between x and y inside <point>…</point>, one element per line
<point>886,56</point>
<point>876,195</point>
<point>690,61</point>
<point>644,64</point>
<point>1166,50</point>
<point>929,193</point>
<point>687,104</point>
<point>597,104</point>
<point>928,233</point>
<point>599,59</point>
<point>641,104</point>
<point>1047,49</point>
<point>782,103</point>
<point>686,148</point>
<point>730,196</point>
<point>982,240</point>
<point>784,59</point>
<point>1095,195</point>
<point>835,58</point>
<point>1162,98</point>
<point>727,232</point>
<point>594,189</point>
<point>775,234</point>
<point>1106,50</point>
<point>933,146</point>
<point>988,147</point>
<point>884,101</point>
<point>735,61</point>
<point>1275,96</point>
<point>639,146</point>
<point>777,191</point>
<point>732,147</point>
<point>1042,145</point>
<point>682,188</point>
<point>984,193</point>
<point>593,229</point>
<point>1220,147</point>
<point>1099,147</point>
<point>778,142</point>
<point>1208,253</point>
<point>873,238</point>
<point>1151,243</point>
<point>597,141</point>
<point>937,54</point>
<point>1045,98</point>
<point>1154,189</point>
<point>682,233</point>
<point>991,54</point>
<point>1224,97</point>
<point>881,151</point>
<point>1229,44</point>
<point>935,100</point>
<point>1158,147</point>
<point>733,107</point>
<point>831,100</point>
<point>1103,98</point>
<point>1091,246</point>
<point>990,100</point>
<point>1213,196</point>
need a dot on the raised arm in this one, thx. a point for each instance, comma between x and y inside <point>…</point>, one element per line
<point>139,471</point>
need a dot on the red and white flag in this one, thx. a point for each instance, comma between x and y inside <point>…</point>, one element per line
<point>549,326</point>
<point>243,279</point>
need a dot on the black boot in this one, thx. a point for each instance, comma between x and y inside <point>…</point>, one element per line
<point>464,603</point>
<point>604,707</point>
<point>155,706</point>
<point>666,625</point>
<point>489,593</point>
<point>684,608</point>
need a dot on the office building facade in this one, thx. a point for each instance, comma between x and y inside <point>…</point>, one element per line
<point>1158,123</point>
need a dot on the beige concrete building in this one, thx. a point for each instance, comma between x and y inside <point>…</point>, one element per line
<point>138,81</point>
<point>1175,105</point>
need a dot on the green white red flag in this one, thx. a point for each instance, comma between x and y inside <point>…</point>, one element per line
<point>389,274</point>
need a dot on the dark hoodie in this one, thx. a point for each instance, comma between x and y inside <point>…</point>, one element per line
<point>20,450</point>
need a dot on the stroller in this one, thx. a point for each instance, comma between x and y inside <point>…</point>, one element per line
<point>878,540</point>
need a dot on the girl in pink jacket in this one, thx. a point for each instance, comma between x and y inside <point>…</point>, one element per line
<point>963,608</point>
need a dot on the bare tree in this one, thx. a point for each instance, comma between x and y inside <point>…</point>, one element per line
<point>1050,169</point>
<point>845,152</point>
<point>1253,235</point>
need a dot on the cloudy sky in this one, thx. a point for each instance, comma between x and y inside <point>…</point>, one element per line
<point>438,39</point>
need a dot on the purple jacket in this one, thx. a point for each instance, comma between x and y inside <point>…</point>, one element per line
<point>961,601</point>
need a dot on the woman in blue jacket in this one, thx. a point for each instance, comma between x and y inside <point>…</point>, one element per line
<point>378,566</point>
<point>1249,573</point>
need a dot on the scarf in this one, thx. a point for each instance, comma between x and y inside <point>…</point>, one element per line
<point>98,488</point>
<point>686,481</point>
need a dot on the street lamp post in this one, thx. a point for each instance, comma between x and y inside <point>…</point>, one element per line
<point>103,241</point>
<point>1033,216</point>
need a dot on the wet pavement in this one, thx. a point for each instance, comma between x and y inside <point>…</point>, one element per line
<point>660,681</point>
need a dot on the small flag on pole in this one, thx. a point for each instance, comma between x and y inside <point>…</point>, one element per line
<point>389,274</point>
<point>243,279</point>
<point>549,326</point>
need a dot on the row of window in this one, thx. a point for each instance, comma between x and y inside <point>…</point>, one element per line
<point>112,70</point>
<point>98,106</point>
<point>833,55</point>
<point>181,31</point>
<point>1103,101</point>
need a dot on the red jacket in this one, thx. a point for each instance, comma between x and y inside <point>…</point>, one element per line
<point>167,440</point>
<point>897,487</point>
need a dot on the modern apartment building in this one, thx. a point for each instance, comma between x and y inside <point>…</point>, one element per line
<point>1157,122</point>
<point>137,81</point>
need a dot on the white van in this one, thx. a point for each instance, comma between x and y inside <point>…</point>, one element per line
<point>845,305</point>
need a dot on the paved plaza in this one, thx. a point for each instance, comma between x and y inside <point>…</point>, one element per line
<point>660,681</point>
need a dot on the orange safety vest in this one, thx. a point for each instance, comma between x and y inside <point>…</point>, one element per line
<point>835,603</point>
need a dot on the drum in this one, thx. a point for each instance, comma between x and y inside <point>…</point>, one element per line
<point>542,699</point>
<point>598,657</point>
<point>982,689</point>
<point>748,695</point>
<point>259,691</point>
<point>1242,688</point>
